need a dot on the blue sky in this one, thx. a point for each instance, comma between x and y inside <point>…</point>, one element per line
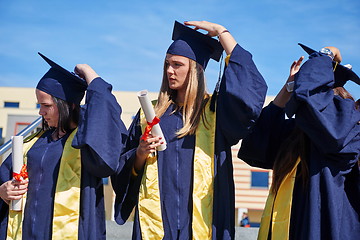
<point>126,41</point>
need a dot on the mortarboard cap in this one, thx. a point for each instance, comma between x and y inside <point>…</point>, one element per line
<point>61,83</point>
<point>194,45</point>
<point>342,74</point>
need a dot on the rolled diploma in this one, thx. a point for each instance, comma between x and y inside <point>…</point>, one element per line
<point>149,112</point>
<point>17,163</point>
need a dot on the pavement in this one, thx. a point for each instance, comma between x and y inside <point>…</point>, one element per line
<point>123,232</point>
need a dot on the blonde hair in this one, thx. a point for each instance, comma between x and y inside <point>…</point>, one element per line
<point>196,98</point>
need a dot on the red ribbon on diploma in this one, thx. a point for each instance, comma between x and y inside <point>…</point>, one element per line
<point>149,126</point>
<point>23,174</point>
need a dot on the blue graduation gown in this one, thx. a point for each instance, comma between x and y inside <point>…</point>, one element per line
<point>328,207</point>
<point>239,103</point>
<point>100,135</point>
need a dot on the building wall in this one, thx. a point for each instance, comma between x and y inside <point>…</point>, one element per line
<point>27,105</point>
<point>247,198</point>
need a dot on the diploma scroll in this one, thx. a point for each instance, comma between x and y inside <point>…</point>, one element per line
<point>17,164</point>
<point>150,116</point>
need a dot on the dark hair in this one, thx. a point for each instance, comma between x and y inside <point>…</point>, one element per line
<point>297,145</point>
<point>341,91</point>
<point>68,114</point>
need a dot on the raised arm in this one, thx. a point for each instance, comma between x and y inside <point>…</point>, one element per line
<point>86,72</point>
<point>101,132</point>
<point>329,120</point>
<point>225,38</point>
<point>241,96</point>
<point>242,90</point>
<point>285,93</point>
<point>261,146</point>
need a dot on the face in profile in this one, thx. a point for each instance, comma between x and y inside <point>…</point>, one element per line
<point>48,109</point>
<point>177,69</point>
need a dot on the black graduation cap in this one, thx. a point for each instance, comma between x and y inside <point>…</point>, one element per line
<point>342,74</point>
<point>61,83</point>
<point>194,45</point>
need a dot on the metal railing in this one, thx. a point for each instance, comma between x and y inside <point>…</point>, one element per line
<point>24,132</point>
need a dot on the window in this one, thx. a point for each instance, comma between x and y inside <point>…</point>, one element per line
<point>259,179</point>
<point>11,104</point>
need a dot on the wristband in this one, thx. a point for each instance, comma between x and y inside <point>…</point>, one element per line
<point>290,86</point>
<point>328,52</point>
<point>218,36</point>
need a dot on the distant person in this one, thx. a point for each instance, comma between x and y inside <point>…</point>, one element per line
<point>187,191</point>
<point>245,220</point>
<point>314,155</point>
<point>66,160</point>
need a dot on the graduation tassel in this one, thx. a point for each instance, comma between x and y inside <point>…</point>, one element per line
<point>217,88</point>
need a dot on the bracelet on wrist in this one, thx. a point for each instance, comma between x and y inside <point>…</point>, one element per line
<point>328,52</point>
<point>225,31</point>
<point>290,86</point>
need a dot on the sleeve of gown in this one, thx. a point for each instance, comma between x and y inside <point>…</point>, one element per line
<point>241,96</point>
<point>125,184</point>
<point>6,170</point>
<point>101,132</point>
<point>260,147</point>
<point>5,175</point>
<point>331,122</point>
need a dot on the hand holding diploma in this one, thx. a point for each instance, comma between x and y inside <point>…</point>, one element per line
<point>19,173</point>
<point>152,139</point>
<point>13,190</point>
<point>153,127</point>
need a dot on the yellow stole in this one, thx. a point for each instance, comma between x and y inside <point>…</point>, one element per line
<point>278,209</point>
<point>203,185</point>
<point>66,199</point>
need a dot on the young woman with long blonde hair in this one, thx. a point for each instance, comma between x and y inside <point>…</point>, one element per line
<point>187,191</point>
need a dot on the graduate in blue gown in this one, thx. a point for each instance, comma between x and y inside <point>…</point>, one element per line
<point>99,136</point>
<point>176,209</point>
<point>314,154</point>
